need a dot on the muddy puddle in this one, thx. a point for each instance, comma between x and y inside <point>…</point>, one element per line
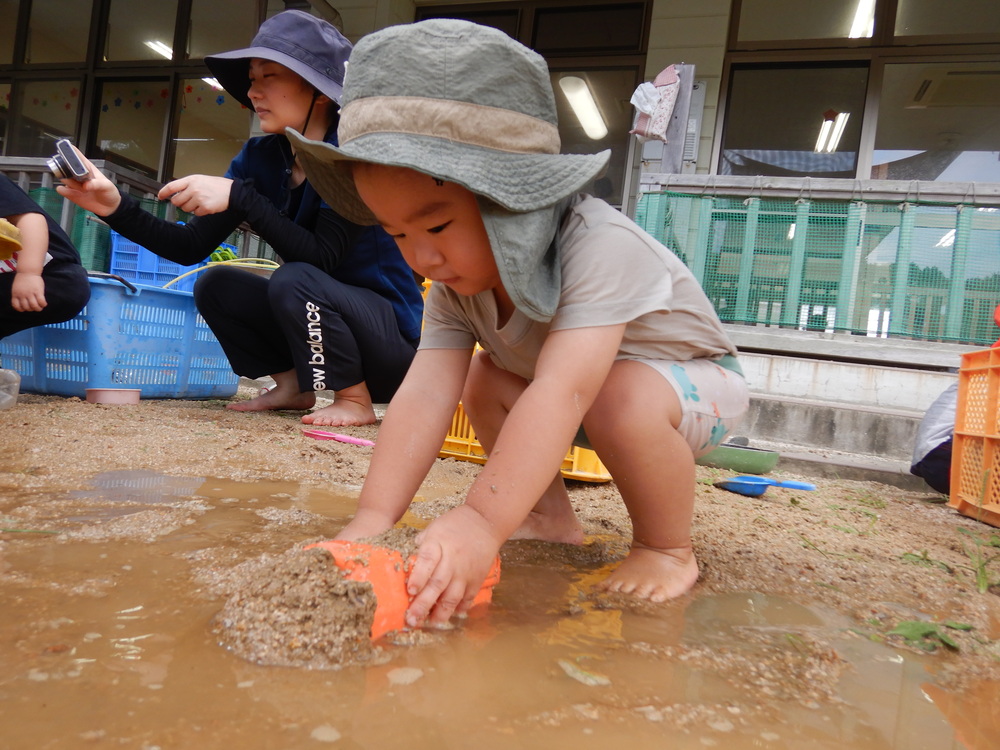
<point>106,640</point>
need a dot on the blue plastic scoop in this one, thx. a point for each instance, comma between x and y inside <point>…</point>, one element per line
<point>757,486</point>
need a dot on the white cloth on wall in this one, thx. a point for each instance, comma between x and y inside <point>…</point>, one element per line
<point>654,103</point>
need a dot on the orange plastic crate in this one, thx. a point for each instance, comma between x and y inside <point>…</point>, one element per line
<point>975,460</point>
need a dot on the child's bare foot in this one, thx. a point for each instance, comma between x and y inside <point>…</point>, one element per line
<point>560,527</point>
<point>275,399</point>
<point>342,412</point>
<point>654,574</point>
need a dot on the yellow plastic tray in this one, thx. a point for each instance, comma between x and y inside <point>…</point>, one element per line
<point>580,464</point>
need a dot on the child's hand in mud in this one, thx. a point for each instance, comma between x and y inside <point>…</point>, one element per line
<point>365,524</point>
<point>455,555</point>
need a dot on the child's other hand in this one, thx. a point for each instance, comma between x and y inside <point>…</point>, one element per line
<point>454,558</point>
<point>27,293</point>
<point>365,524</point>
<point>198,194</point>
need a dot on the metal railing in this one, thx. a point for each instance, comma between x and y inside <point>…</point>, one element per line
<point>89,233</point>
<point>917,260</point>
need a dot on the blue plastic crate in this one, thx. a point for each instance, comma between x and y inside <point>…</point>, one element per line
<point>137,264</point>
<point>152,339</point>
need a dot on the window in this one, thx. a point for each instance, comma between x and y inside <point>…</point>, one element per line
<point>616,28</point>
<point>776,115</point>
<point>8,12</point>
<point>955,17</point>
<point>774,20</point>
<point>219,25</point>
<point>931,112</point>
<point>211,130</point>
<point>48,112</point>
<point>57,32</point>
<point>145,35</point>
<point>938,122</point>
<point>133,116</point>
<point>505,20</point>
<point>607,88</point>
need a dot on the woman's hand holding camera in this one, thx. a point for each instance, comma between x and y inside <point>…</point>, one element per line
<point>197,194</point>
<point>97,195</point>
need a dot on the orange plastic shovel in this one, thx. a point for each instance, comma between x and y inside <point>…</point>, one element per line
<point>386,571</point>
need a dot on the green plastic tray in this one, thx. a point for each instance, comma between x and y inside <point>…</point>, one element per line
<point>742,459</point>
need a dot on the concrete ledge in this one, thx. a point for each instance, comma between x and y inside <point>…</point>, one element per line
<point>844,383</point>
<point>843,347</point>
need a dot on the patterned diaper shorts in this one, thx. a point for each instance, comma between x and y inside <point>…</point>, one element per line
<point>713,401</point>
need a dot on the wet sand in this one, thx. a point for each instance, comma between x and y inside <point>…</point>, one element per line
<point>877,556</point>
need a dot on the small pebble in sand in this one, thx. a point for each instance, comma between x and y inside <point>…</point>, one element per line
<point>405,675</point>
<point>325,733</point>
<point>582,675</point>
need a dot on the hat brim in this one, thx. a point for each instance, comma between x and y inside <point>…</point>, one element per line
<point>232,71</point>
<point>518,182</point>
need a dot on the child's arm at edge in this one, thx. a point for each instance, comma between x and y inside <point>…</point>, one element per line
<point>409,439</point>
<point>457,549</point>
<point>28,289</point>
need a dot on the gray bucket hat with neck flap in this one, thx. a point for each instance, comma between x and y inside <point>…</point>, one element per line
<point>467,104</point>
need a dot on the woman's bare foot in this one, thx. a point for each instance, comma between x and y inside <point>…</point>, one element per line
<point>351,406</point>
<point>342,412</point>
<point>654,574</point>
<point>275,399</point>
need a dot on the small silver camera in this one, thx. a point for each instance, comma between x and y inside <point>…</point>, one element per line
<point>66,165</point>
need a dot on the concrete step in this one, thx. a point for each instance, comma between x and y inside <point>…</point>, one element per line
<point>844,428</point>
<point>839,406</point>
<point>835,440</point>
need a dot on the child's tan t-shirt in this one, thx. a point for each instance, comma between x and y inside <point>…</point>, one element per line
<point>612,273</point>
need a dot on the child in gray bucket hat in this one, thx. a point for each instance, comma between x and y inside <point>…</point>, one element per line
<point>449,140</point>
<point>341,316</point>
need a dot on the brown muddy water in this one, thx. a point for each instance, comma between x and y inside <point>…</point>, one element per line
<point>106,640</point>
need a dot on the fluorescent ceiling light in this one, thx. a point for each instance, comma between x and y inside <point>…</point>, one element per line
<point>831,131</point>
<point>160,48</point>
<point>582,101</point>
<point>791,231</point>
<point>864,20</point>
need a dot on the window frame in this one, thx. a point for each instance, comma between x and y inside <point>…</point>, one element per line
<point>94,72</point>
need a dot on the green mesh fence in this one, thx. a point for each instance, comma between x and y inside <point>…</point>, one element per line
<point>911,270</point>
